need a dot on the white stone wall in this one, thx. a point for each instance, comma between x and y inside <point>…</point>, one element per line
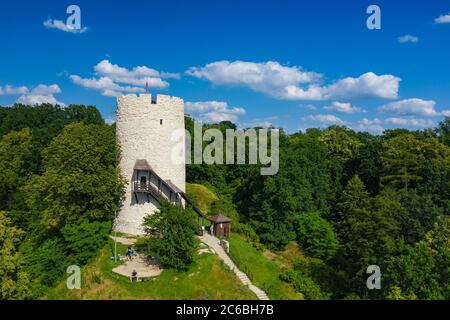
<point>141,136</point>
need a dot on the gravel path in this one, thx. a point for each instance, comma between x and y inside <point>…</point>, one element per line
<point>214,243</point>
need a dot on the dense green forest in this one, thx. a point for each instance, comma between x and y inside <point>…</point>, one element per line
<point>59,190</point>
<point>348,199</point>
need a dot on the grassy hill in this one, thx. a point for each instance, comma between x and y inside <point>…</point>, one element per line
<point>263,268</point>
<point>208,278</point>
<point>201,196</point>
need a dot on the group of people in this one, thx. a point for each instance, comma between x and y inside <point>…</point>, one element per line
<point>130,253</point>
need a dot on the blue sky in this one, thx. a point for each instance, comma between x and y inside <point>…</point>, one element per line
<point>294,64</point>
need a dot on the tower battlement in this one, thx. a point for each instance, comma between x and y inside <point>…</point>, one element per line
<point>145,124</point>
<point>132,103</point>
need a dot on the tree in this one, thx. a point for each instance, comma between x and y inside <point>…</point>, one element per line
<point>444,131</point>
<point>15,155</point>
<point>367,164</point>
<point>171,232</point>
<point>369,237</point>
<point>341,142</point>
<point>401,161</point>
<point>413,269</point>
<point>81,180</point>
<point>406,159</point>
<point>316,236</point>
<point>271,204</point>
<point>13,279</point>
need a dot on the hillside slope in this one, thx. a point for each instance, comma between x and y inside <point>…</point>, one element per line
<point>207,279</point>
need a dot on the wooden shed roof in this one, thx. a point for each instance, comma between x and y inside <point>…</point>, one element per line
<point>219,218</point>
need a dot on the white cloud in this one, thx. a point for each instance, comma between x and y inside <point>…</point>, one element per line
<point>446,113</point>
<point>266,77</point>
<point>408,38</point>
<point>296,93</point>
<point>443,19</point>
<point>410,122</point>
<point>58,24</point>
<point>413,106</point>
<point>368,85</point>
<point>214,111</point>
<point>137,76</point>
<point>261,122</point>
<point>343,107</point>
<point>113,80</point>
<point>107,86</point>
<point>373,126</point>
<point>327,119</point>
<point>41,94</point>
<point>11,90</point>
<point>292,83</point>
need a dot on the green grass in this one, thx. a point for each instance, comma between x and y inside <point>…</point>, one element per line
<point>201,196</point>
<point>207,278</point>
<point>263,271</point>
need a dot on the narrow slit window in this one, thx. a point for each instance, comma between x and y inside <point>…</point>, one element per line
<point>160,121</point>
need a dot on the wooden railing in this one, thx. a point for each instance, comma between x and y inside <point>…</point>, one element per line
<point>147,188</point>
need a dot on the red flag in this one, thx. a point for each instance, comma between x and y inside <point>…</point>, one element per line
<point>146,86</point>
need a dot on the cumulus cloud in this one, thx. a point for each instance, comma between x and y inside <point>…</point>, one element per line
<point>325,119</point>
<point>113,80</point>
<point>214,111</point>
<point>413,106</point>
<point>41,94</point>
<point>372,126</point>
<point>266,77</point>
<point>60,25</point>
<point>293,83</point>
<point>446,113</point>
<point>443,19</point>
<point>12,90</point>
<point>368,85</point>
<point>107,86</point>
<point>343,107</point>
<point>408,38</point>
<point>410,122</point>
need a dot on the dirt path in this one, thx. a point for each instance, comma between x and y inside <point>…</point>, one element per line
<point>125,241</point>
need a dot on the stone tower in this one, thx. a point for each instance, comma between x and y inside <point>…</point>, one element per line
<point>145,125</point>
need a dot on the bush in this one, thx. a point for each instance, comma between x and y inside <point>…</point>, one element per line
<point>84,240</point>
<point>171,233</point>
<point>246,230</point>
<point>316,236</point>
<point>45,263</point>
<point>303,284</point>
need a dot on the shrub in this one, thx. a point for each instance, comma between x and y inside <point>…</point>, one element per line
<point>171,233</point>
<point>84,240</point>
<point>303,284</point>
<point>44,262</point>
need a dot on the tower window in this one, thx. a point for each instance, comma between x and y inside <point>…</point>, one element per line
<point>160,121</point>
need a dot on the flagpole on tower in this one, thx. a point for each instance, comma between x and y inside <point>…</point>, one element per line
<point>146,86</point>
